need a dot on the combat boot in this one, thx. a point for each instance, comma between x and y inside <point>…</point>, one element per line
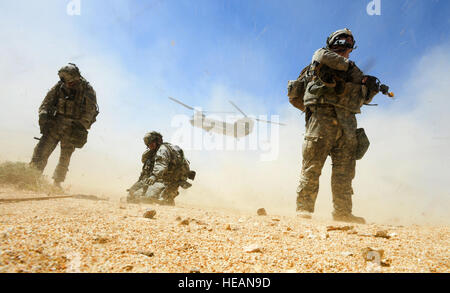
<point>349,218</point>
<point>132,199</point>
<point>304,214</point>
<point>149,200</point>
<point>167,202</point>
<point>57,187</point>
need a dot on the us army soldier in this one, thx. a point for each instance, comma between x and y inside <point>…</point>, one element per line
<point>165,169</point>
<point>335,93</point>
<point>65,116</point>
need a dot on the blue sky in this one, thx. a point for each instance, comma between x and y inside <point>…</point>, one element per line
<point>256,46</point>
<point>181,48</point>
<point>189,49</point>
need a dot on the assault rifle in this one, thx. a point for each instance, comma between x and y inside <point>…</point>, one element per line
<point>335,78</point>
<point>374,83</point>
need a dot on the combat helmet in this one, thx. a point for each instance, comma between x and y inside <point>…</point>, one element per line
<point>69,73</point>
<point>153,137</point>
<point>332,40</point>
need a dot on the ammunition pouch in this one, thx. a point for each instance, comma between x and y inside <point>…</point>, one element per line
<point>69,107</point>
<point>192,175</point>
<point>363,143</point>
<point>79,135</point>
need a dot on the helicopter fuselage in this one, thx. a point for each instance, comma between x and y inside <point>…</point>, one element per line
<point>240,128</point>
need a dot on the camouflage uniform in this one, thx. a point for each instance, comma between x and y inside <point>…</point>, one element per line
<point>65,115</point>
<point>140,187</point>
<point>331,130</point>
<point>170,172</point>
<point>164,171</point>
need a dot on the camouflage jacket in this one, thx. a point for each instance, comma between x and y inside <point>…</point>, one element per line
<point>348,94</point>
<point>79,105</point>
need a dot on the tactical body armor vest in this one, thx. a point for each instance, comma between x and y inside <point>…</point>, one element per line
<point>72,103</point>
<point>340,88</point>
<point>63,106</point>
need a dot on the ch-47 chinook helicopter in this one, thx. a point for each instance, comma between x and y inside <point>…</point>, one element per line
<point>241,128</point>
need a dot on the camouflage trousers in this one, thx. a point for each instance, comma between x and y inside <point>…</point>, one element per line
<point>162,191</point>
<point>159,191</point>
<point>326,135</point>
<point>47,145</point>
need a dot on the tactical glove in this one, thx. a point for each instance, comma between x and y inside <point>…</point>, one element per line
<point>45,122</point>
<point>384,89</point>
<point>150,180</point>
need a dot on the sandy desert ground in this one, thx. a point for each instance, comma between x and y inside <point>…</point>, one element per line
<point>84,235</point>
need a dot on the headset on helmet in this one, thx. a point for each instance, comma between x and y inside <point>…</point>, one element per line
<point>69,72</point>
<point>153,137</point>
<point>333,42</point>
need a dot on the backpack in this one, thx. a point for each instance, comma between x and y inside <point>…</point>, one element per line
<point>179,166</point>
<point>296,89</point>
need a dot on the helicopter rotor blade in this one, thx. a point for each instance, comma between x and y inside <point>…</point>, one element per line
<point>191,108</point>
<point>176,101</point>
<point>218,112</point>
<point>260,120</point>
<point>242,112</point>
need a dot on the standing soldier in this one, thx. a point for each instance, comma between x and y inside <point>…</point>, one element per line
<point>165,169</point>
<point>335,89</point>
<point>65,115</point>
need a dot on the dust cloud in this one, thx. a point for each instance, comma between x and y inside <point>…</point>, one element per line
<point>402,179</point>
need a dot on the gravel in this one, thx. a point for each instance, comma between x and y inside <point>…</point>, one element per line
<point>76,235</point>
